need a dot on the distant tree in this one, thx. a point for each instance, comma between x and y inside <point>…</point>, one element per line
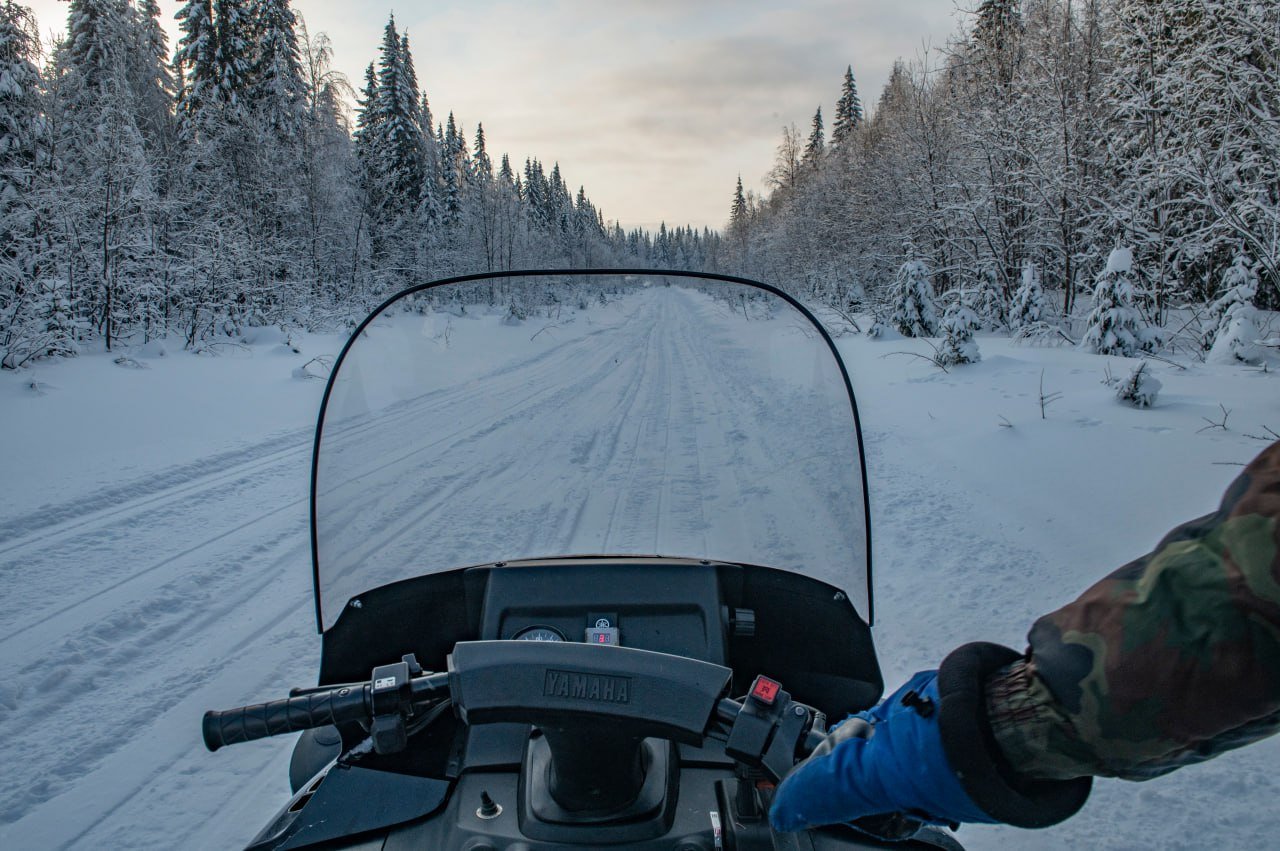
<point>151,78</point>
<point>33,319</point>
<point>848,111</point>
<point>786,165</point>
<point>403,167</point>
<point>816,146</point>
<point>194,63</point>
<point>279,94</point>
<point>232,52</point>
<point>738,211</point>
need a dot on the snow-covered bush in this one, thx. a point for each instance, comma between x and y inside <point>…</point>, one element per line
<point>1027,315</point>
<point>1139,389</point>
<point>1115,327</point>
<point>1233,336</point>
<point>990,304</point>
<point>877,328</point>
<point>913,313</point>
<point>958,345</point>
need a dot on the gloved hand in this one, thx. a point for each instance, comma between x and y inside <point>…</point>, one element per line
<point>899,767</point>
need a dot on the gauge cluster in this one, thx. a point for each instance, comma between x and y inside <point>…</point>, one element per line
<point>539,633</point>
<point>676,608</point>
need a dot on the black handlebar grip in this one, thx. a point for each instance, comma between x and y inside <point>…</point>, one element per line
<point>284,716</point>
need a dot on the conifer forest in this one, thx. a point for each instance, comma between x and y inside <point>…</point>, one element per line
<point>1100,172</point>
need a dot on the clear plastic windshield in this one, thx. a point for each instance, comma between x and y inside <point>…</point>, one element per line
<point>563,415</point>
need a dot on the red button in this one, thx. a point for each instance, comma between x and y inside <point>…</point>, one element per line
<point>765,690</point>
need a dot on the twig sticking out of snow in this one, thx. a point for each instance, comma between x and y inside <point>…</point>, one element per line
<point>1046,399</point>
<point>935,360</point>
<point>550,326</point>
<point>1212,425</point>
<point>324,364</point>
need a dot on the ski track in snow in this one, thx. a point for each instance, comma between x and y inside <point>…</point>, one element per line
<point>132,610</point>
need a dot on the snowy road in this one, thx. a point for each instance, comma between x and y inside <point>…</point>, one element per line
<point>130,612</point>
<point>141,606</point>
<point>665,434</point>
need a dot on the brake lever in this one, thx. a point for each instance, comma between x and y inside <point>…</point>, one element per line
<point>300,691</point>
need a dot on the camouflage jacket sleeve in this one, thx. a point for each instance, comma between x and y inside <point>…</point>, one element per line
<point>1171,660</point>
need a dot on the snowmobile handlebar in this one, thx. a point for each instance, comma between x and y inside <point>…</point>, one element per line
<point>639,692</point>
<point>314,708</point>
<point>291,715</point>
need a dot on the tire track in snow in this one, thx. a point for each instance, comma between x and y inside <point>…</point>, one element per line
<point>265,463</point>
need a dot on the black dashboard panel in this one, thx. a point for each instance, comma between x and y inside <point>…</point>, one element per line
<point>803,632</point>
<point>669,607</point>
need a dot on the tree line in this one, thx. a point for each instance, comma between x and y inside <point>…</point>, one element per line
<point>1044,137</point>
<point>144,194</point>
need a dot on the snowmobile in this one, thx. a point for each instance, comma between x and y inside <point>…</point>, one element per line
<point>655,484</point>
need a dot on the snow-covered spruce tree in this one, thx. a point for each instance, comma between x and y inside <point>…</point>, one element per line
<point>194,64</point>
<point>368,140</point>
<point>1115,327</point>
<point>1028,302</point>
<point>958,325</point>
<point>816,146</point>
<point>30,324</point>
<point>913,312</point>
<point>400,167</point>
<point>151,78</point>
<point>106,185</point>
<point>848,111</point>
<point>1234,335</point>
<point>277,93</point>
<point>990,303</point>
<point>234,34</point>
<point>453,170</point>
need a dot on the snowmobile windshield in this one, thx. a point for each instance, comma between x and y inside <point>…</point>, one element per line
<point>544,415</point>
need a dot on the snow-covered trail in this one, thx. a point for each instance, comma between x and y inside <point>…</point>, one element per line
<point>190,588</point>
<point>659,437</point>
<point>135,609</point>
<point>185,583</point>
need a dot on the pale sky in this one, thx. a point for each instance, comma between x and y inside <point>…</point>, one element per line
<point>655,106</point>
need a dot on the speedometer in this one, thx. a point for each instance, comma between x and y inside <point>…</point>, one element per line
<point>539,633</point>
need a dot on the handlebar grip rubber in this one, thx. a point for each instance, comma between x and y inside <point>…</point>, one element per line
<point>283,716</point>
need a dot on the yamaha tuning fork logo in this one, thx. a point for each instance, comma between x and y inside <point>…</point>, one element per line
<point>579,686</point>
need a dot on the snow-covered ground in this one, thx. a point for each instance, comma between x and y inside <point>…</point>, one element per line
<point>154,554</point>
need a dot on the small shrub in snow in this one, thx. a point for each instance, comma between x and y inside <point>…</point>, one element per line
<point>958,345</point>
<point>876,329</point>
<point>1139,389</point>
<point>1115,327</point>
<point>259,335</point>
<point>154,349</point>
<point>1028,313</point>
<point>914,314</point>
<point>990,304</point>
<point>1233,338</point>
